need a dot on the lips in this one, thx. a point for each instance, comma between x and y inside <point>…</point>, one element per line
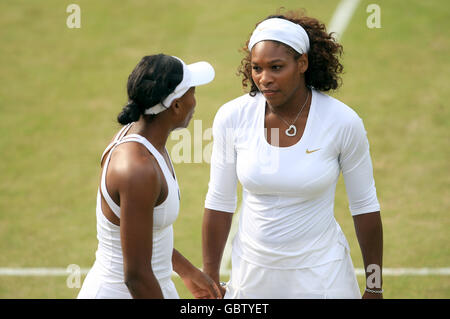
<point>269,92</point>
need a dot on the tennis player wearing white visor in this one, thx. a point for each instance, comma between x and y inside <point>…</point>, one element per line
<point>290,144</point>
<point>138,198</point>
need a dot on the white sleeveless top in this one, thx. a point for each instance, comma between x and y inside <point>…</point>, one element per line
<point>109,258</point>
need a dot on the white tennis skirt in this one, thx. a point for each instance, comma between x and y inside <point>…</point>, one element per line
<point>96,288</point>
<point>333,280</point>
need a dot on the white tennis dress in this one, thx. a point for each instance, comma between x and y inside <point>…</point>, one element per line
<point>288,244</point>
<point>106,277</point>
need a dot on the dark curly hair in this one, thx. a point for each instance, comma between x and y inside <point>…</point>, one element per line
<point>152,80</point>
<point>324,68</point>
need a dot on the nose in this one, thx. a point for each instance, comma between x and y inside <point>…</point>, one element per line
<point>265,78</point>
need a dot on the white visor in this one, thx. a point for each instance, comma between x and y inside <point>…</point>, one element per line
<point>193,75</point>
<point>281,30</point>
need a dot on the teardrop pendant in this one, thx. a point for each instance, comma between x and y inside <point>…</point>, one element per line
<point>291,128</point>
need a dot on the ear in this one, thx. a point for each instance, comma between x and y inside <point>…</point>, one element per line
<point>175,103</point>
<point>175,106</point>
<point>303,63</point>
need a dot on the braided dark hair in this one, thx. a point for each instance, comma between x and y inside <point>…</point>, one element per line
<point>152,80</point>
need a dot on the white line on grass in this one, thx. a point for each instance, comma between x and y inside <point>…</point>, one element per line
<point>38,271</point>
<point>341,17</point>
<point>43,272</point>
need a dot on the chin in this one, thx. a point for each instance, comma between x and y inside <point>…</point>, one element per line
<point>274,103</point>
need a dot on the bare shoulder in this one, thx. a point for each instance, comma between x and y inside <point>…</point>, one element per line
<point>133,166</point>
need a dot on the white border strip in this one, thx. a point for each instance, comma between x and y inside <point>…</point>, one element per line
<point>410,271</point>
<point>36,272</point>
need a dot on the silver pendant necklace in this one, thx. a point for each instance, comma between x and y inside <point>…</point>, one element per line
<point>292,129</point>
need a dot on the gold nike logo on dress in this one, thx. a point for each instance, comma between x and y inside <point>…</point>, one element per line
<point>309,152</point>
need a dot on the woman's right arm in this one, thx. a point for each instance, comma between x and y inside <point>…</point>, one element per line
<point>215,230</point>
<point>221,199</point>
<point>139,187</point>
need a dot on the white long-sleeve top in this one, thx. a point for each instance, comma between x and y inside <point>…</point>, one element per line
<point>287,212</point>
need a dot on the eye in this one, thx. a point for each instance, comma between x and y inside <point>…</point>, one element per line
<point>256,68</point>
<point>277,67</point>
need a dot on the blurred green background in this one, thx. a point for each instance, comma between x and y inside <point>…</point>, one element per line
<point>63,88</point>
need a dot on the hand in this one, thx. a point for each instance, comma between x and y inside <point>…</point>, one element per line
<point>371,295</point>
<point>223,290</point>
<point>202,286</point>
<point>215,276</point>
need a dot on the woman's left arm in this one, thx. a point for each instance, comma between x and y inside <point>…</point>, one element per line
<point>369,231</point>
<point>356,165</point>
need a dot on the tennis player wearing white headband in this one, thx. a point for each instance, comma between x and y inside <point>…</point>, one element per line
<point>138,198</point>
<point>290,145</point>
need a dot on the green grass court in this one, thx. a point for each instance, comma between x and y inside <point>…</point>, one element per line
<point>63,88</point>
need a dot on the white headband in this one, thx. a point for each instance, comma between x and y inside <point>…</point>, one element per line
<point>283,31</point>
<point>193,74</point>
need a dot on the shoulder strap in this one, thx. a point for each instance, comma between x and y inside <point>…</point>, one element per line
<point>118,137</point>
<point>130,138</point>
<point>161,161</point>
<point>112,205</point>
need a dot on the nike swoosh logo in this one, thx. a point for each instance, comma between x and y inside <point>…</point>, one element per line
<point>309,152</point>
